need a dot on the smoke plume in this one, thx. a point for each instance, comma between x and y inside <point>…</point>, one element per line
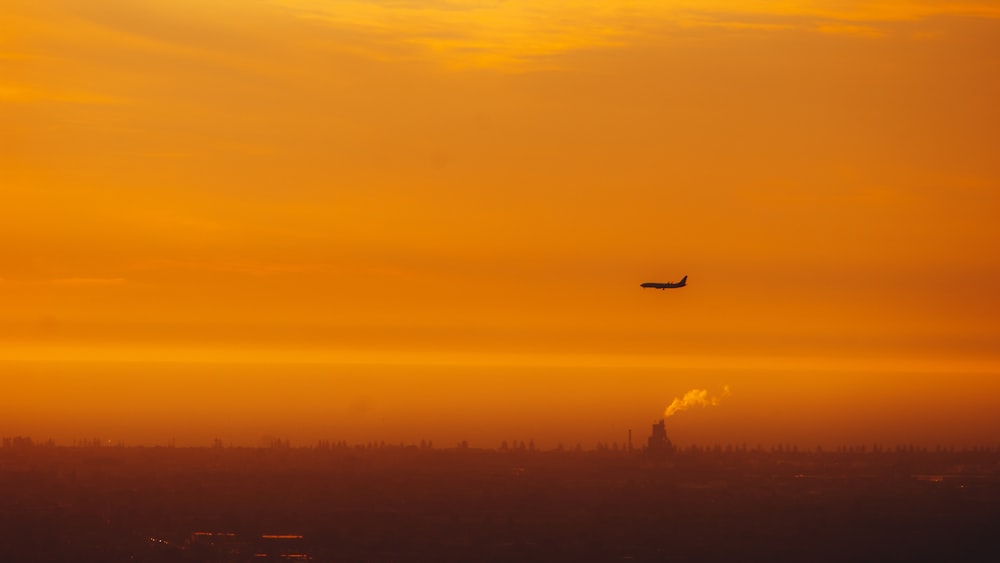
<point>694,398</point>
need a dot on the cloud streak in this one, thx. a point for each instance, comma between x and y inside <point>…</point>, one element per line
<point>87,281</point>
<point>22,94</point>
<point>517,33</point>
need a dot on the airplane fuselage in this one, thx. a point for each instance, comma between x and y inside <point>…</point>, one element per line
<point>668,285</point>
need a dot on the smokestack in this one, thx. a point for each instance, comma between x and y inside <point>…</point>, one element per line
<point>658,443</point>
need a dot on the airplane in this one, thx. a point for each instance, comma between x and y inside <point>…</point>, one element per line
<point>670,285</point>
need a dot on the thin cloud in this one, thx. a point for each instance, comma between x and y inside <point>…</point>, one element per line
<point>530,34</point>
<point>251,268</point>
<point>26,94</point>
<point>87,281</point>
<point>463,34</point>
<point>848,29</point>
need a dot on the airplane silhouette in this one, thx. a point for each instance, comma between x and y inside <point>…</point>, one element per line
<point>669,285</point>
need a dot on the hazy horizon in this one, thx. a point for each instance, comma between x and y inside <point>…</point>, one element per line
<point>253,404</point>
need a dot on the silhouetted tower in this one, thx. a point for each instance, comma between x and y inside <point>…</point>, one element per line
<point>658,441</point>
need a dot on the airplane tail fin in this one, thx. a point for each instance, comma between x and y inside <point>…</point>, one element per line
<point>684,280</point>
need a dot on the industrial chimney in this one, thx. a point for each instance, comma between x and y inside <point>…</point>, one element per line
<point>658,441</point>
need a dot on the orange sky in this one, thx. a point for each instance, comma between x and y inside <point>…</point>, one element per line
<point>404,220</point>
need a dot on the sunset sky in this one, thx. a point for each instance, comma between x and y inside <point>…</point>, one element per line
<point>429,219</point>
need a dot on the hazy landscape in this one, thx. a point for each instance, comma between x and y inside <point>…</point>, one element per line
<point>499,280</point>
<point>333,502</point>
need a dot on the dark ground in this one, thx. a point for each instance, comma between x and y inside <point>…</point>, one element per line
<point>411,504</point>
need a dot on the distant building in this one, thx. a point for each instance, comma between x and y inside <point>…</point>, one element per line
<point>658,443</point>
<point>215,546</point>
<point>18,442</point>
<point>285,547</point>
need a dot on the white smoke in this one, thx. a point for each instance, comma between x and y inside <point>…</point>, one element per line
<point>695,398</point>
